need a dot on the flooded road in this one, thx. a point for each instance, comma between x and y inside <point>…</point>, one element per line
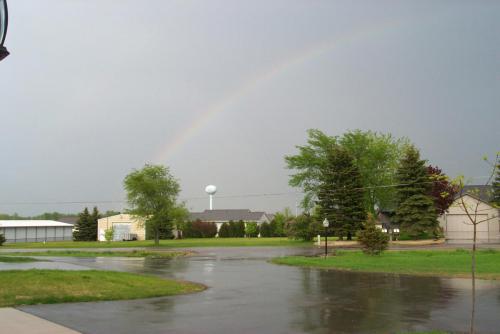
<point>249,295</point>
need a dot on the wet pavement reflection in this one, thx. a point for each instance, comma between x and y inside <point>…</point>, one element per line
<point>249,295</point>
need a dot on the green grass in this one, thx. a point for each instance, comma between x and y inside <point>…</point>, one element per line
<point>78,253</point>
<point>28,287</point>
<point>16,259</point>
<point>430,263</point>
<point>182,243</point>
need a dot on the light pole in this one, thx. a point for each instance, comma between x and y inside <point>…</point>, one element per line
<point>4,21</point>
<point>326,223</point>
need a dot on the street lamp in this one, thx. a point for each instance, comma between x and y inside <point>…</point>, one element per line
<point>4,21</point>
<point>326,223</point>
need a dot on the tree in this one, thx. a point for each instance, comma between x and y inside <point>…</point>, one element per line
<point>496,187</point>
<point>265,230</point>
<point>340,193</point>
<point>373,240</point>
<point>109,234</point>
<point>476,217</point>
<point>303,227</point>
<point>251,230</point>
<point>82,226</point>
<point>442,190</point>
<point>224,231</point>
<point>411,176</point>
<point>417,217</point>
<point>2,239</point>
<point>376,155</point>
<point>278,222</point>
<point>92,227</point>
<point>152,195</point>
<point>415,210</point>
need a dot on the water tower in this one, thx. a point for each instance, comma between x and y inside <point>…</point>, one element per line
<point>211,190</point>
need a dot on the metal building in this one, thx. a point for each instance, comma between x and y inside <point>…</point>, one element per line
<point>35,230</point>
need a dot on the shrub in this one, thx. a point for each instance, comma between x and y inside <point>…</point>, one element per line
<point>224,231</point>
<point>252,230</point>
<point>303,227</point>
<point>265,230</point>
<point>237,229</point>
<point>2,239</point>
<point>109,234</point>
<point>373,240</point>
<point>199,229</point>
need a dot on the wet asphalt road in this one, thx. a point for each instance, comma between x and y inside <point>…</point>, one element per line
<point>249,295</point>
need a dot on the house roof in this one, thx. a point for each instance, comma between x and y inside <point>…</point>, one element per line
<point>482,192</point>
<point>69,220</point>
<point>32,223</point>
<point>227,215</point>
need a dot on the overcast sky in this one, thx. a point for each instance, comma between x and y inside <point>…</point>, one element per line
<point>220,91</point>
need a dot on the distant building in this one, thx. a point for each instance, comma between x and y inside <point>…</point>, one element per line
<point>126,227</point>
<point>456,225</point>
<point>220,217</point>
<point>35,230</point>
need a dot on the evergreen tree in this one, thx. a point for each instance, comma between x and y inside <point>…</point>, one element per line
<point>92,227</point>
<point>496,187</point>
<point>224,231</point>
<point>417,217</point>
<point>341,195</point>
<point>411,176</point>
<point>373,240</point>
<point>82,226</point>
<point>415,212</point>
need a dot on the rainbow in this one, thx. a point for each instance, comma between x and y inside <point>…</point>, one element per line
<point>207,115</point>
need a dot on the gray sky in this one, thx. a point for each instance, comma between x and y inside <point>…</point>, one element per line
<point>220,91</point>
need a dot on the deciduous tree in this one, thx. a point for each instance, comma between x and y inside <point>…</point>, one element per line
<point>442,190</point>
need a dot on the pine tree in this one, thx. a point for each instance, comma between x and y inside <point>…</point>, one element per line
<point>416,212</point>
<point>341,195</point>
<point>496,187</point>
<point>91,234</point>
<point>412,176</point>
<point>417,217</point>
<point>81,226</point>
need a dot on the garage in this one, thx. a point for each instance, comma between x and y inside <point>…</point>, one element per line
<point>35,230</point>
<point>457,226</point>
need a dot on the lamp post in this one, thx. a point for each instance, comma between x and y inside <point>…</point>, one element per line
<point>4,21</point>
<point>326,223</point>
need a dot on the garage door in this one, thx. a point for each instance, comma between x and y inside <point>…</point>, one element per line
<point>122,231</point>
<point>459,227</point>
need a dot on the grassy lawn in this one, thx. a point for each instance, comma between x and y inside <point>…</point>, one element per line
<point>78,253</point>
<point>28,287</point>
<point>430,263</point>
<point>182,243</point>
<point>16,259</point>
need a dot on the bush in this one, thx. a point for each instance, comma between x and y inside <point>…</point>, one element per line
<point>252,230</point>
<point>2,239</point>
<point>199,229</point>
<point>373,240</point>
<point>237,229</point>
<point>109,234</point>
<point>303,227</point>
<point>265,230</point>
<point>224,231</point>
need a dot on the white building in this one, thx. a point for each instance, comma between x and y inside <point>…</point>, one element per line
<point>35,230</point>
<point>457,226</point>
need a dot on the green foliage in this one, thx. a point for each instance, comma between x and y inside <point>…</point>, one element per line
<point>224,231</point>
<point>237,229</point>
<point>266,230</point>
<point>199,229</point>
<point>376,155</point>
<point>109,234</point>
<point>251,230</point>
<point>152,195</point>
<point>412,176</point>
<point>373,240</point>
<point>417,217</point>
<point>86,226</point>
<point>303,227</point>
<point>277,225</point>
<point>2,239</point>
<point>340,194</point>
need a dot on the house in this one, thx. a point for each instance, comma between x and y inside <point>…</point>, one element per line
<point>385,222</point>
<point>126,227</point>
<point>220,217</point>
<point>35,230</point>
<point>456,225</point>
